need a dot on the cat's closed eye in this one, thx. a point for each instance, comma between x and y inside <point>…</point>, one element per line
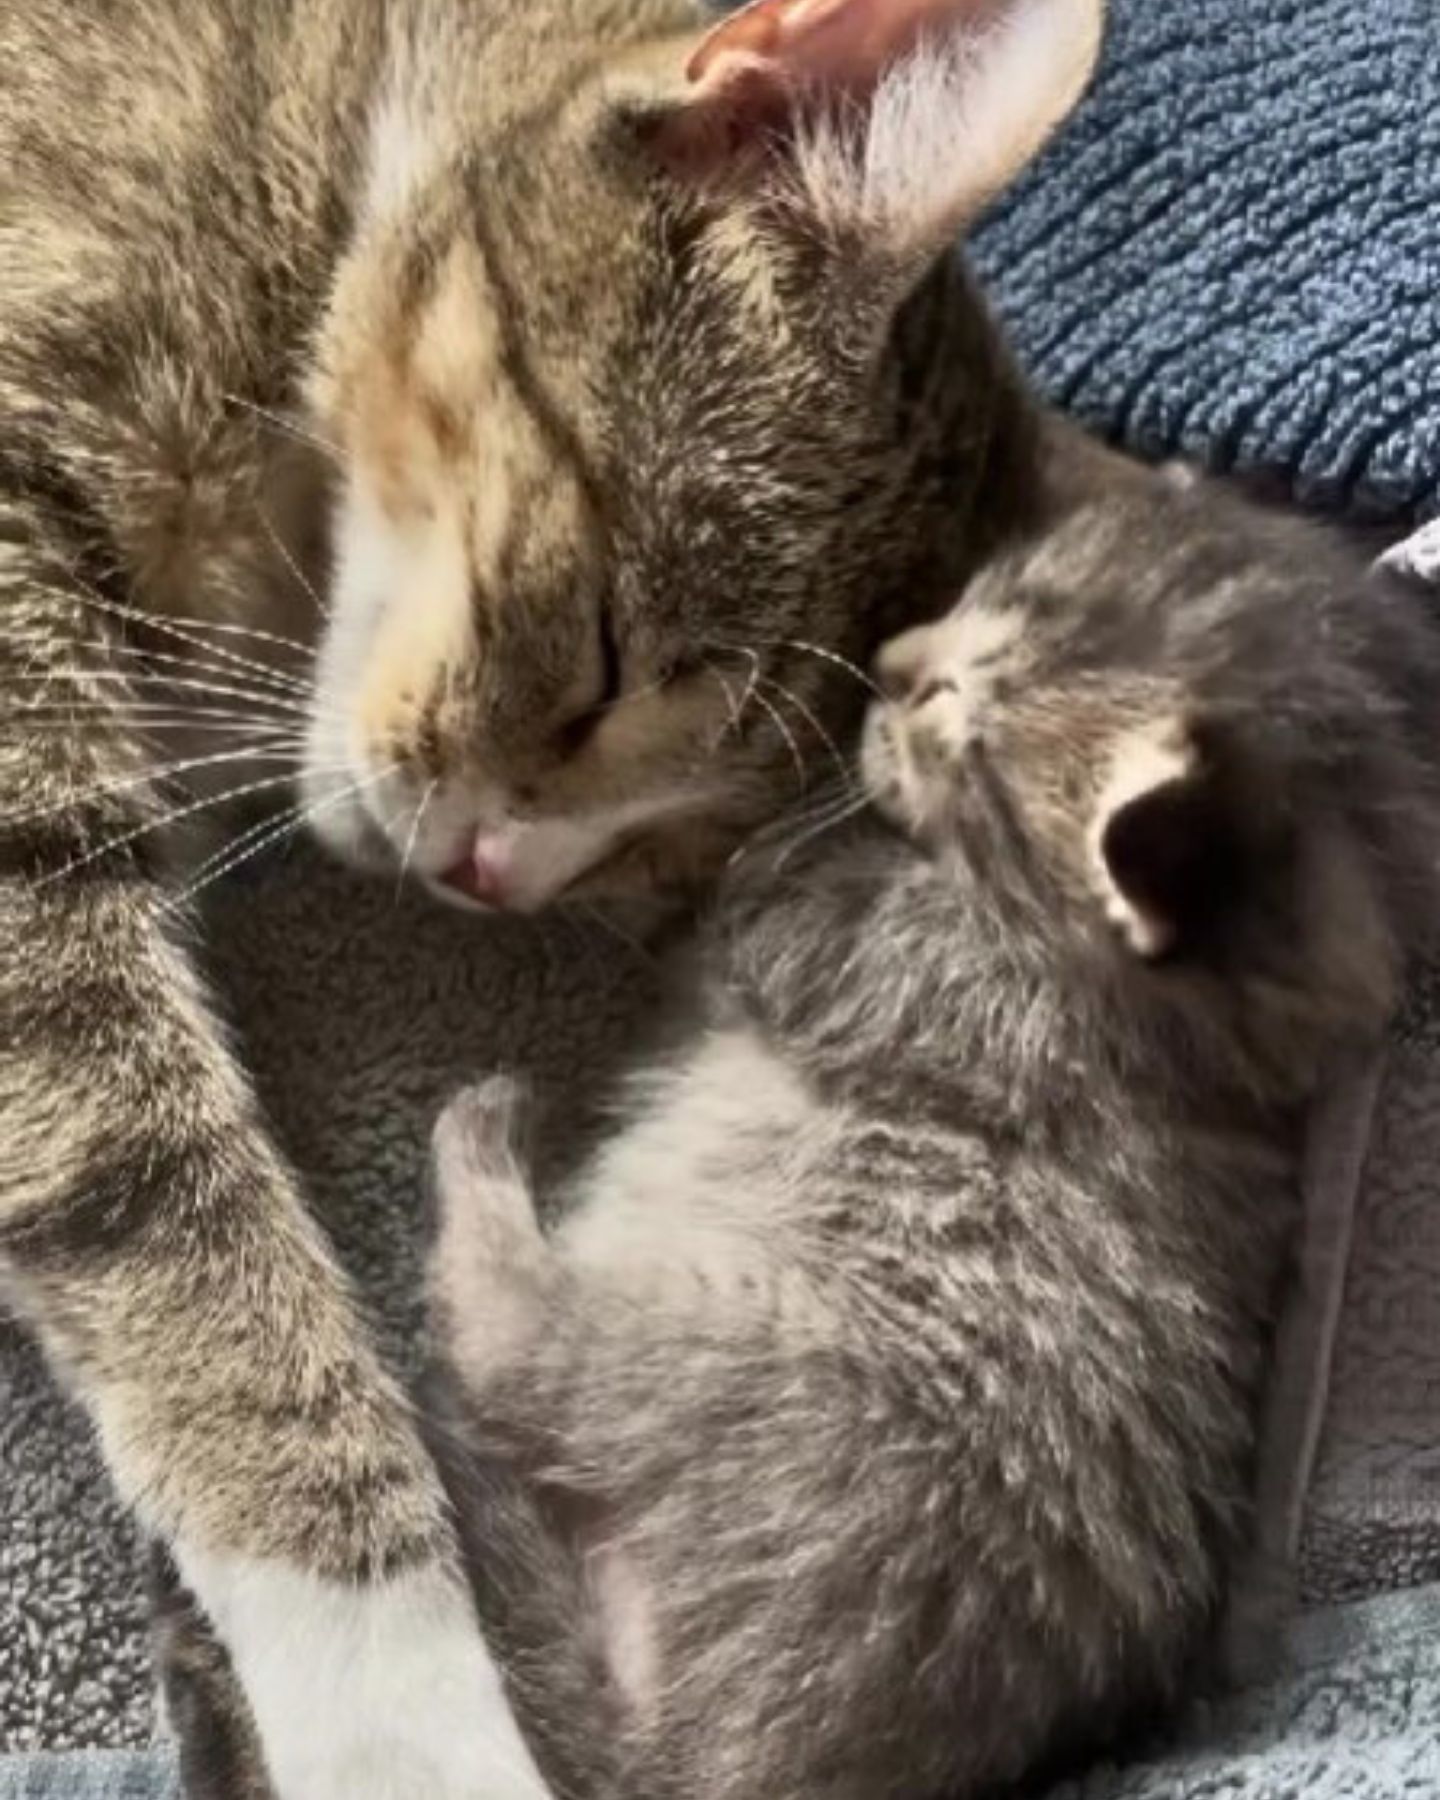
<point>575,732</point>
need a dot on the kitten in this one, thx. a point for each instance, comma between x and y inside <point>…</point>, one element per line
<point>879,1422</point>
<point>600,382</point>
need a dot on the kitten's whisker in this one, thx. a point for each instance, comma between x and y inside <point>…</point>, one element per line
<point>847,810</point>
<point>278,422</point>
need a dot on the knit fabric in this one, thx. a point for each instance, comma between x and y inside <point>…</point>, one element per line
<point>1233,251</point>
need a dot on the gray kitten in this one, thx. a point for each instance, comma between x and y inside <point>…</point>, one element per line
<point>879,1422</point>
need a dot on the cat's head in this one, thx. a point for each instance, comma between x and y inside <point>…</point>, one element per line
<point>1168,746</point>
<point>657,399</point>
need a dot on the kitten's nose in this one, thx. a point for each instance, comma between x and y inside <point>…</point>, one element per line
<point>907,670</point>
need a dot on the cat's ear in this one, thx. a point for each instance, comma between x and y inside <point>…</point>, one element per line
<point>887,121</point>
<point>1168,842</point>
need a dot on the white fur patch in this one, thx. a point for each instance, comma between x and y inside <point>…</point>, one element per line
<point>1418,557</point>
<point>370,566</point>
<point>951,124</point>
<point>402,150</point>
<point>366,1693</point>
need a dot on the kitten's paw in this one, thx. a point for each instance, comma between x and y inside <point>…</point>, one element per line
<point>485,1124</point>
<point>383,1692</point>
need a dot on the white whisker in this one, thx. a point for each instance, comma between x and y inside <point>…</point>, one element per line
<point>85,595</point>
<point>830,656</point>
<point>414,836</point>
<point>733,723</point>
<point>155,777</point>
<point>293,822</point>
<point>841,766</point>
<point>847,810</point>
<point>278,422</point>
<point>624,937</point>
<point>307,587</point>
<point>154,716</point>
<point>123,678</point>
<point>173,817</point>
<point>262,828</point>
<point>200,665</point>
<point>784,730</point>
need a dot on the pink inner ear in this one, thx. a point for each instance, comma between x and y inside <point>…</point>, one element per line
<point>843,45</point>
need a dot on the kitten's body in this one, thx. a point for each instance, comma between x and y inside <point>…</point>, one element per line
<point>583,395</point>
<point>887,1402</point>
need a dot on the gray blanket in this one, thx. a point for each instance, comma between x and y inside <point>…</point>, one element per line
<point>1353,1713</point>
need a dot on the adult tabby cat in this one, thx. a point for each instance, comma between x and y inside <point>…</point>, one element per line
<point>602,379</point>
<point>876,1424</point>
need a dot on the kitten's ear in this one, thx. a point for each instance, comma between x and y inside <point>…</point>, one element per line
<point>895,119</point>
<point>1168,843</point>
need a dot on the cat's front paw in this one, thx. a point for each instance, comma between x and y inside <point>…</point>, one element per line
<point>381,1692</point>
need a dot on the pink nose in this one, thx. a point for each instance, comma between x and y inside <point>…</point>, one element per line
<point>482,874</point>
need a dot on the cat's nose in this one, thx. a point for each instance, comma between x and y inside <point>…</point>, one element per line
<point>483,873</point>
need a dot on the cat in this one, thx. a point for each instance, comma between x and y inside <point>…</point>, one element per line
<point>504,420</point>
<point>876,1422</point>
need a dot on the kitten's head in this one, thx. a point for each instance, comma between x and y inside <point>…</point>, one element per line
<point>1169,744</point>
<point>657,400</point>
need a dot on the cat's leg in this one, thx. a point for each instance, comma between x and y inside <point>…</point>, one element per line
<point>158,1244</point>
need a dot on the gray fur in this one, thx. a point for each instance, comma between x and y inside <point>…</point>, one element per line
<point>879,1424</point>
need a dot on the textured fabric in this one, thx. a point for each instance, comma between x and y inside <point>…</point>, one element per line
<point>1353,1713</point>
<point>103,1776</point>
<point>1234,250</point>
<point>1373,1510</point>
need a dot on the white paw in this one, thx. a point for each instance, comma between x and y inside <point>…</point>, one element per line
<point>369,1693</point>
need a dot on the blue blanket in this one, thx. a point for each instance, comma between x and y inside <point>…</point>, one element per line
<point>1233,252</point>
